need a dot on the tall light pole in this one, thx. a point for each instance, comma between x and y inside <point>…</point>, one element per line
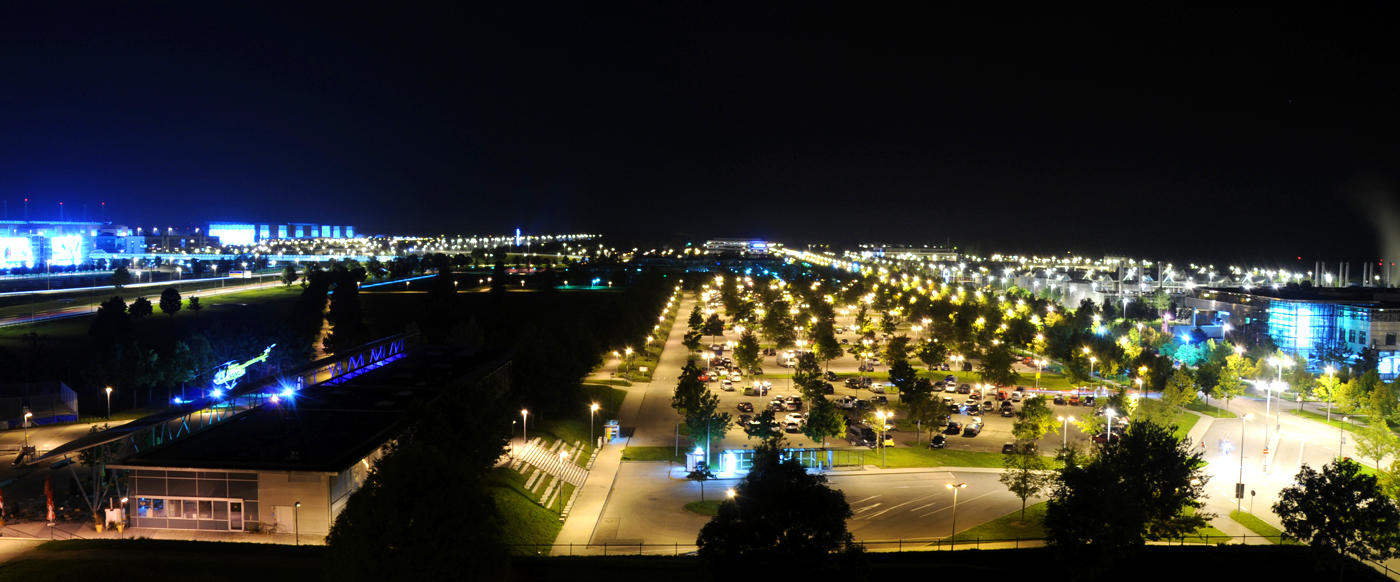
<point>881,415</point>
<point>1239,485</point>
<point>109,403</point>
<point>1093,359</point>
<point>524,431</point>
<point>1064,444</point>
<point>296,523</point>
<point>955,489</point>
<point>591,410</point>
<point>27,415</point>
<point>1341,436</point>
<point>1109,412</point>
<point>1279,364</point>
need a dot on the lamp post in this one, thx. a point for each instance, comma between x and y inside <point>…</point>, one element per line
<point>524,430</point>
<point>27,415</point>
<point>1341,436</point>
<point>1239,486</point>
<point>109,403</point>
<point>1065,441</point>
<point>1109,413</point>
<point>591,410</point>
<point>955,489</point>
<point>1093,359</point>
<point>296,523</point>
<point>1279,364</point>
<point>882,415</point>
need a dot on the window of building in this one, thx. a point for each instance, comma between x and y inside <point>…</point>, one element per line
<point>1361,337</point>
<point>1390,339</point>
<point>1351,335</point>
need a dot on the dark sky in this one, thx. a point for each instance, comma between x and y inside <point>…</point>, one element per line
<point>1223,134</point>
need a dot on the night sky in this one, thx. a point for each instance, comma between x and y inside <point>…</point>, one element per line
<point>1210,135</point>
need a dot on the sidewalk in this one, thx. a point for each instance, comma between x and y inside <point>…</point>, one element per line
<point>38,530</point>
<point>592,498</point>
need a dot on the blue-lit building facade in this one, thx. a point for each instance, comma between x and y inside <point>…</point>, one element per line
<point>29,244</point>
<point>247,233</point>
<point>1307,322</point>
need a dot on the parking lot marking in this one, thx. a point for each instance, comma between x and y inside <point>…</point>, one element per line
<point>868,508</point>
<point>892,508</point>
<point>922,506</point>
<point>867,499</point>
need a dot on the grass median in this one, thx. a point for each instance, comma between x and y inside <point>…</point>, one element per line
<point>1209,410</point>
<point>1262,528</point>
<point>652,454</point>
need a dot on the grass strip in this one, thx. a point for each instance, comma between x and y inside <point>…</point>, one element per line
<point>707,507</point>
<point>1262,528</point>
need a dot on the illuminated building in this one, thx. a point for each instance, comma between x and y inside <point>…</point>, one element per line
<point>1310,322</point>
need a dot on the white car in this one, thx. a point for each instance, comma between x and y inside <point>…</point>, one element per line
<point>1017,396</point>
<point>727,386</point>
<point>794,417</point>
<point>847,402</point>
<point>877,388</point>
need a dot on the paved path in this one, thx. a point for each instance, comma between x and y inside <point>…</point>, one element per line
<point>592,498</point>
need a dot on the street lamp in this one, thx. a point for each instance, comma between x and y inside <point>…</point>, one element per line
<point>591,410</point>
<point>1239,486</point>
<point>1092,359</point>
<point>296,522</point>
<point>1109,413</point>
<point>1341,436</point>
<point>109,403</point>
<point>955,489</point>
<point>27,415</point>
<point>730,493</point>
<point>1279,364</point>
<point>882,415</point>
<point>524,430</point>
<point>1064,444</point>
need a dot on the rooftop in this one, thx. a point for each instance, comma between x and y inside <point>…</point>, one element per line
<point>327,427</point>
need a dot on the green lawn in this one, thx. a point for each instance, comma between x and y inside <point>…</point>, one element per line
<point>1336,422</point>
<point>1260,527</point>
<point>652,454</point>
<point>1209,409</point>
<point>527,523</point>
<point>1207,535</point>
<point>922,456</point>
<point>1184,424</point>
<point>707,507</point>
<point>573,425</point>
<point>1008,527</point>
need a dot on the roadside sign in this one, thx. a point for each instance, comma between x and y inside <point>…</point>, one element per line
<point>642,369</point>
<point>1239,490</point>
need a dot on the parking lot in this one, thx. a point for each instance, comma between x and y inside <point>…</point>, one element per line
<point>995,433</point>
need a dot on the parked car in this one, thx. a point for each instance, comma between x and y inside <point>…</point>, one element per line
<point>752,391</point>
<point>939,441</point>
<point>861,435</point>
<point>828,389</point>
<point>1059,399</point>
<point>974,410</point>
<point>1087,401</point>
<point>973,429</point>
<point>727,386</point>
<point>877,388</point>
<point>1008,412</point>
<point>881,400</point>
<point>950,388</point>
<point>987,406</point>
<point>954,427</point>
<point>964,389</point>
<point>1002,395</point>
<point>745,407</point>
<point>967,366</point>
<point>745,418</point>
<point>943,367</point>
<point>830,376</point>
<point>1016,396</point>
<point>846,402</point>
<point>1008,448</point>
<point>791,427</point>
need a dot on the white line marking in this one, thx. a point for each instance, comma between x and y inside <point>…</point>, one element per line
<point>867,508</point>
<point>866,499</point>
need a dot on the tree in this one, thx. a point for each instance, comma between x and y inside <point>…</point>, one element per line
<point>713,326</point>
<point>996,366</point>
<point>195,305</point>
<point>140,308</point>
<point>1340,511</point>
<point>824,421</point>
<point>697,319</point>
<point>825,344</point>
<point>807,376</point>
<point>902,375</point>
<point>169,301</point>
<point>120,278</point>
<point>897,349</point>
<point>289,276</point>
<point>498,277</point>
<point>1231,382</point>
<point>932,353</point>
<point>1180,391</point>
<point>746,351</point>
<point>700,475</point>
<point>1374,441</point>
<point>780,516</point>
<point>1034,420</point>
<point>112,323</point>
<point>691,341</point>
<point>397,526</point>
<point>1147,485</point>
<point>1026,474</point>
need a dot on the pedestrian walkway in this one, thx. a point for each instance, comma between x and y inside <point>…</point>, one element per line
<point>38,530</point>
<point>592,497</point>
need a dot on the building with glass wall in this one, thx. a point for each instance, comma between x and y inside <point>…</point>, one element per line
<point>1311,322</point>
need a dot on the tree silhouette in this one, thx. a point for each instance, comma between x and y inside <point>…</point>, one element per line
<point>1340,511</point>
<point>170,301</point>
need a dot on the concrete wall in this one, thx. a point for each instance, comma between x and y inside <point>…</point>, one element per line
<point>279,490</point>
